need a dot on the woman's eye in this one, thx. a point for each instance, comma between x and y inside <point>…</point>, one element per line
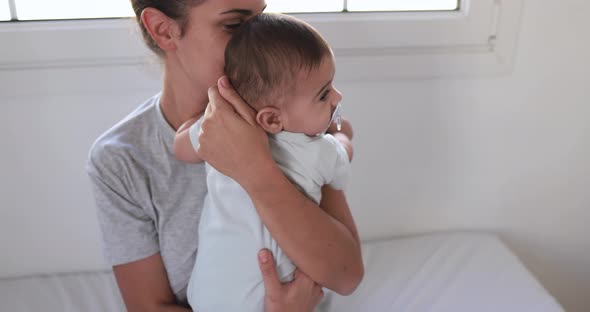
<point>324,95</point>
<point>232,26</point>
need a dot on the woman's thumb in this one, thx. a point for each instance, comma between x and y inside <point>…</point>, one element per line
<point>228,92</point>
<point>269,272</point>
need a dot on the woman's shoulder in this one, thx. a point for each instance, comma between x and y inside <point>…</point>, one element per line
<point>122,141</point>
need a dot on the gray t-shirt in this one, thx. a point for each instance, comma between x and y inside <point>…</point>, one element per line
<point>147,201</point>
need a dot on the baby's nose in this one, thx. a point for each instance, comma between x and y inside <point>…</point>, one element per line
<point>338,97</point>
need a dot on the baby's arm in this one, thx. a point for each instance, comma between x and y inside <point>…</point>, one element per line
<point>183,147</point>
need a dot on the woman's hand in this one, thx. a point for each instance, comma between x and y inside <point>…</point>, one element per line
<point>300,295</point>
<point>230,140</point>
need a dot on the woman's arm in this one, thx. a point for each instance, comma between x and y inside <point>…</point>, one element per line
<point>144,286</point>
<point>323,243</point>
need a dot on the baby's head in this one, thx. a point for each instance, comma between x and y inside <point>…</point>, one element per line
<point>283,68</point>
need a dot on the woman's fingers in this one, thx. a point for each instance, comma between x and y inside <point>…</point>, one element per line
<point>233,98</point>
<point>216,101</point>
<point>269,273</point>
<point>229,141</point>
<point>317,291</point>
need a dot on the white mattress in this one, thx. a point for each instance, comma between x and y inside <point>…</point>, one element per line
<point>442,272</point>
<point>446,272</point>
<point>75,292</point>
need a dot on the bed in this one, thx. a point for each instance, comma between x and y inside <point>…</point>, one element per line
<point>446,272</point>
<point>436,272</point>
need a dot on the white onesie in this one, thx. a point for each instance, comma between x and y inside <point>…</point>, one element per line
<point>226,276</point>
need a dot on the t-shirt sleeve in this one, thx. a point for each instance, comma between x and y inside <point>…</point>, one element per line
<point>128,232</point>
<point>341,165</point>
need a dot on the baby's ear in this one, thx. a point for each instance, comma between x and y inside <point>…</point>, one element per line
<point>269,118</point>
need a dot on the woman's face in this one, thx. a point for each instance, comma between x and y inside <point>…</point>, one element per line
<point>211,24</point>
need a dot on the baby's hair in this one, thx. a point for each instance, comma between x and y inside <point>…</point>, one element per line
<point>265,56</point>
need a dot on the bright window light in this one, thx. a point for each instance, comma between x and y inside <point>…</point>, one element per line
<point>302,6</point>
<point>75,9</point>
<point>68,9</point>
<point>403,5</point>
<point>4,11</point>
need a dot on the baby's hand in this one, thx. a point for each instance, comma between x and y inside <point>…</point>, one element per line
<point>346,128</point>
<point>344,136</point>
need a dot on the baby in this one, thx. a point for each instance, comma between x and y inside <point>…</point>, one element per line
<point>283,68</point>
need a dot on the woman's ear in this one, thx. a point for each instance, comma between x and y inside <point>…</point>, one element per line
<point>269,118</point>
<point>163,29</point>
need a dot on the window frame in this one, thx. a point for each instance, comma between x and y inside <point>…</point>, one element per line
<point>477,39</point>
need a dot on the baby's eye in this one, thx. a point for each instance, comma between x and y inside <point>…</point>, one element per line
<point>324,95</point>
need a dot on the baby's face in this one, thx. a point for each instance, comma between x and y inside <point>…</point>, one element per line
<point>310,109</point>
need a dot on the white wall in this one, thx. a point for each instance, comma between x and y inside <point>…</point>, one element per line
<point>509,154</point>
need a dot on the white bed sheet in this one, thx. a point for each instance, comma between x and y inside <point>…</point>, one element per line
<point>75,292</point>
<point>452,272</point>
<point>442,272</point>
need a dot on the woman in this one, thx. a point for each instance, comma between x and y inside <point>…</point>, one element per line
<point>149,203</point>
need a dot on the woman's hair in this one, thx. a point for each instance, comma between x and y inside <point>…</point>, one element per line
<point>175,9</point>
<point>265,56</point>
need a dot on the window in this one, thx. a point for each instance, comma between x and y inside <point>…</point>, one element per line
<point>424,38</point>
<point>4,12</point>
<point>68,9</point>
<point>303,6</point>
<point>402,5</point>
<point>76,9</point>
